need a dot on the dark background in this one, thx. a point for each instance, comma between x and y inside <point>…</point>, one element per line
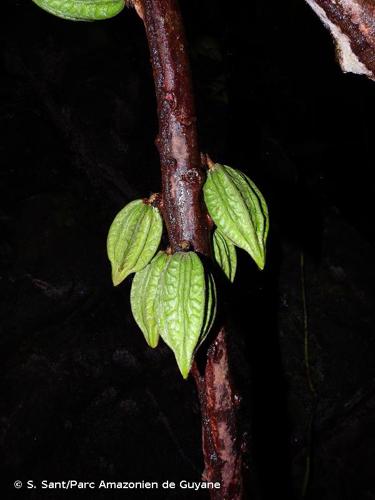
<point>82,396</point>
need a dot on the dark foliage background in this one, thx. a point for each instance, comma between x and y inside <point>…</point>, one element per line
<point>82,395</point>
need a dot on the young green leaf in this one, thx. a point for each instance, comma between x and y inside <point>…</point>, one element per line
<point>185,307</point>
<point>142,297</point>
<point>210,308</point>
<point>82,10</point>
<point>133,239</point>
<point>238,209</point>
<point>225,254</point>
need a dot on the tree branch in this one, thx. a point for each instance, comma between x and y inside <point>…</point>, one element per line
<point>352,25</point>
<point>188,225</point>
<point>182,174</point>
<point>222,447</point>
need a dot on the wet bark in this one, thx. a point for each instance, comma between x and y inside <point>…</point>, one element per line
<point>182,173</point>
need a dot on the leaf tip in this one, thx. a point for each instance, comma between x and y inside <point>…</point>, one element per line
<point>153,342</point>
<point>118,277</point>
<point>261,262</point>
<point>184,366</point>
<point>185,374</point>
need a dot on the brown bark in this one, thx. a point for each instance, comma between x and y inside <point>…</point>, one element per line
<point>188,225</point>
<point>182,174</point>
<point>221,443</point>
<point>352,25</point>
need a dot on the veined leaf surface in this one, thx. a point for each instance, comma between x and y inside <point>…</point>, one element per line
<point>133,239</point>
<point>82,10</point>
<point>143,294</point>
<point>182,308</point>
<point>225,254</point>
<point>210,307</point>
<point>238,209</point>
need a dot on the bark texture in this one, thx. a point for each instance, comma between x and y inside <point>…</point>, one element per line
<point>221,443</point>
<point>189,226</point>
<point>352,25</point>
<point>182,174</point>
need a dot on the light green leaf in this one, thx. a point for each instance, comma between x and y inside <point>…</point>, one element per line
<point>238,209</point>
<point>184,306</point>
<point>142,297</point>
<point>210,308</point>
<point>82,10</point>
<point>225,254</point>
<point>133,239</point>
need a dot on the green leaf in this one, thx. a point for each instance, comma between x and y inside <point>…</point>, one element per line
<point>225,254</point>
<point>82,10</point>
<point>185,307</point>
<point>142,297</point>
<point>133,239</point>
<point>210,308</point>
<point>238,209</point>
